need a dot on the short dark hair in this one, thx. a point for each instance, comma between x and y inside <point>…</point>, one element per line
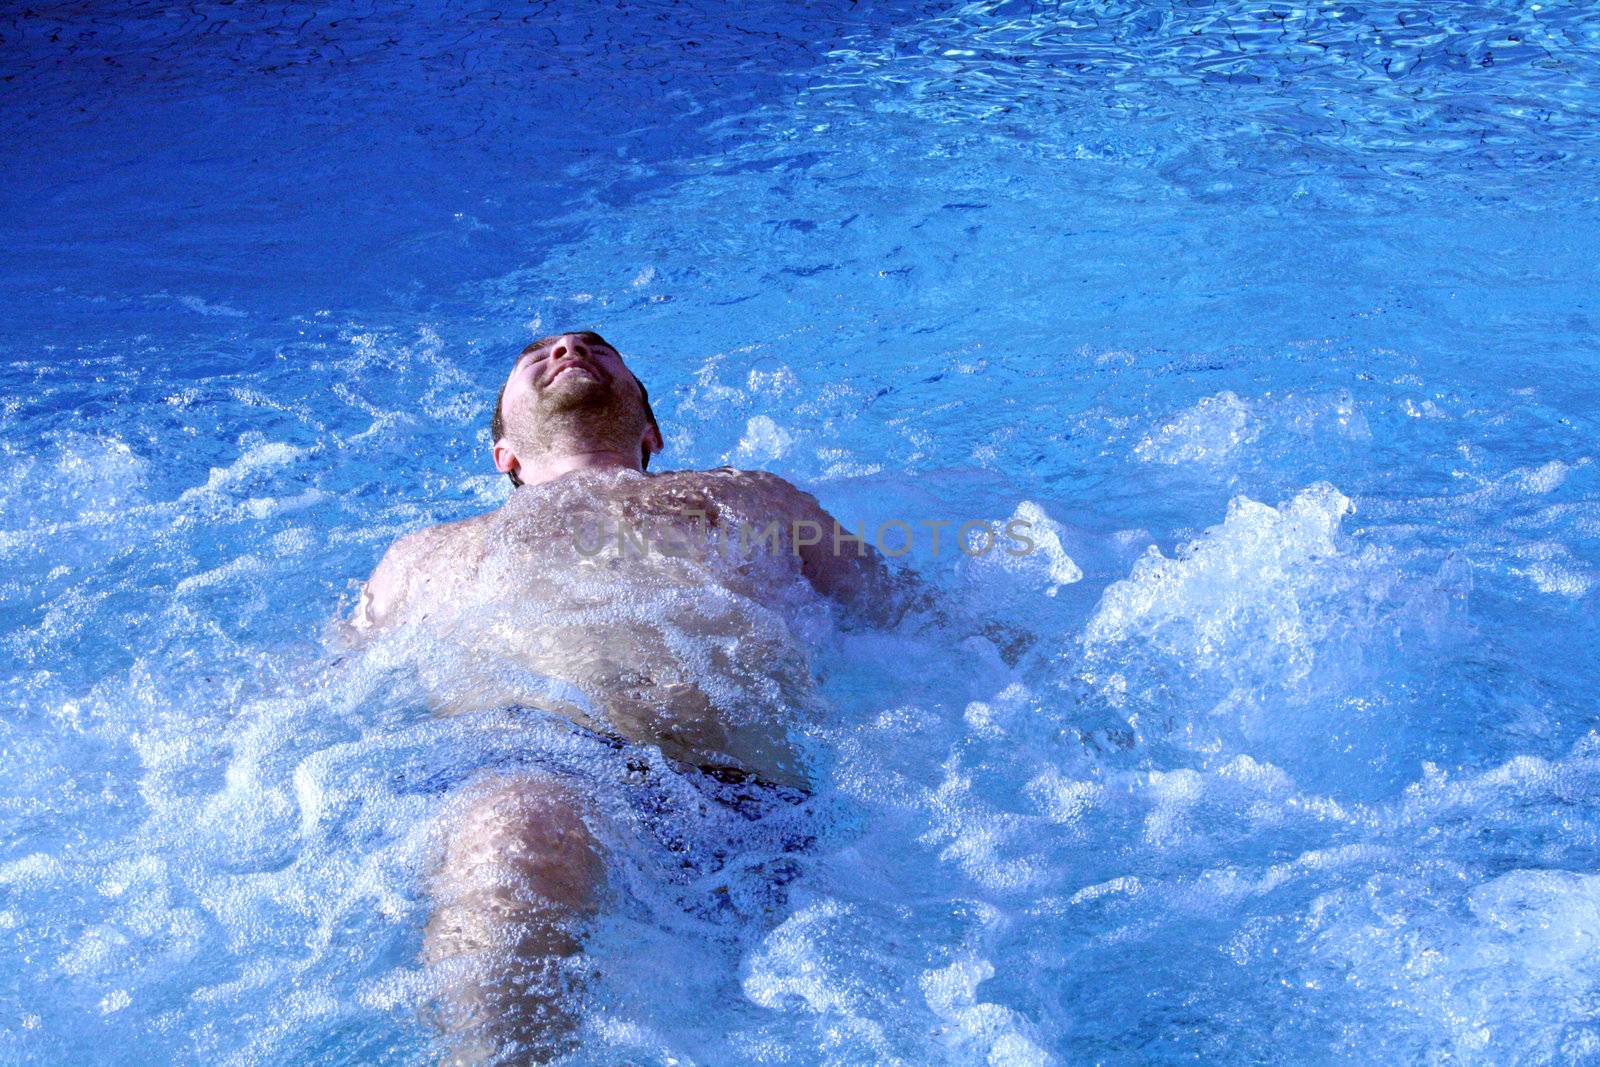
<point>497,422</point>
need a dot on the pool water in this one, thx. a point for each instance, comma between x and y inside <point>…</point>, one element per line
<point>1279,321</point>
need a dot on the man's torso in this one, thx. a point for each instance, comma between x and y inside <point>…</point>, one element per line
<point>655,608</point>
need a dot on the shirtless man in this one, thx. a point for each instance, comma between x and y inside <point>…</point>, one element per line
<point>650,609</point>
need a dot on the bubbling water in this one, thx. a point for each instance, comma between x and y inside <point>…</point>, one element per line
<point>1276,322</point>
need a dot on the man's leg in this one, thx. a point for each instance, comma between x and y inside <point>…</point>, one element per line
<point>520,874</point>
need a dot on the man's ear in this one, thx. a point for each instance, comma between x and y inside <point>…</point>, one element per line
<point>505,460</point>
<point>652,439</point>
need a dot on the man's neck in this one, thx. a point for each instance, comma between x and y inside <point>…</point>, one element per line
<point>548,470</point>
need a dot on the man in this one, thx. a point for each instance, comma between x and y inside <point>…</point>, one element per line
<point>648,610</point>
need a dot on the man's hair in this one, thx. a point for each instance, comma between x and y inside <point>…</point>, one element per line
<point>497,422</point>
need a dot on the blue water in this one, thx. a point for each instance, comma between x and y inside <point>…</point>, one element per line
<point>1283,317</point>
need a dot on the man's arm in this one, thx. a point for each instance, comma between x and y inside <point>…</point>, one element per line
<point>837,563</point>
<point>854,574</point>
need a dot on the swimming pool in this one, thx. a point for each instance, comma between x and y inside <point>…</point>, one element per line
<point>1283,316</point>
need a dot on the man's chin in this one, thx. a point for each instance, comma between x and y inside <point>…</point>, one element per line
<point>575,389</point>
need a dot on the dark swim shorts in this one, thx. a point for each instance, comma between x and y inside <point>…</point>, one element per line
<point>727,841</point>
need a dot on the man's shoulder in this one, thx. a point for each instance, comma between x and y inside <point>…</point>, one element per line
<point>754,478</point>
<point>762,489</point>
<point>413,561</point>
<point>449,537</point>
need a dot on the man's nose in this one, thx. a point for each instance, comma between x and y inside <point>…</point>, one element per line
<point>569,342</point>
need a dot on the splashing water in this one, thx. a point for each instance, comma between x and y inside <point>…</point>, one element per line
<point>1276,323</point>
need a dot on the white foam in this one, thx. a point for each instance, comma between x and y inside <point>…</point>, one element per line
<point>1033,554</point>
<point>1512,978</point>
<point>82,478</point>
<point>763,441</point>
<point>1173,793</point>
<point>988,843</point>
<point>1242,598</point>
<point>1545,478</point>
<point>199,305</point>
<point>978,1031</point>
<point>258,455</point>
<point>1064,800</point>
<point>843,464</point>
<point>1209,432</point>
<point>1566,580</point>
<point>792,963</point>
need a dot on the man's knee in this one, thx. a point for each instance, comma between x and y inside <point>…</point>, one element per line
<point>518,850</point>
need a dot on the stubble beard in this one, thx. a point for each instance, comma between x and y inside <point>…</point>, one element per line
<point>580,414</point>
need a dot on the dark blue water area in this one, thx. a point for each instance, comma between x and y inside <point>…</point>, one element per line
<point>1280,319</point>
<point>286,155</point>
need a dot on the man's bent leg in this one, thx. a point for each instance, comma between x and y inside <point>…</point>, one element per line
<point>520,874</point>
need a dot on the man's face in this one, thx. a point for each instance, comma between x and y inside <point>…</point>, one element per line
<point>571,371</point>
<point>572,392</point>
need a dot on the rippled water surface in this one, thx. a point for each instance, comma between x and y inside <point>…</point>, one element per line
<point>1281,320</point>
